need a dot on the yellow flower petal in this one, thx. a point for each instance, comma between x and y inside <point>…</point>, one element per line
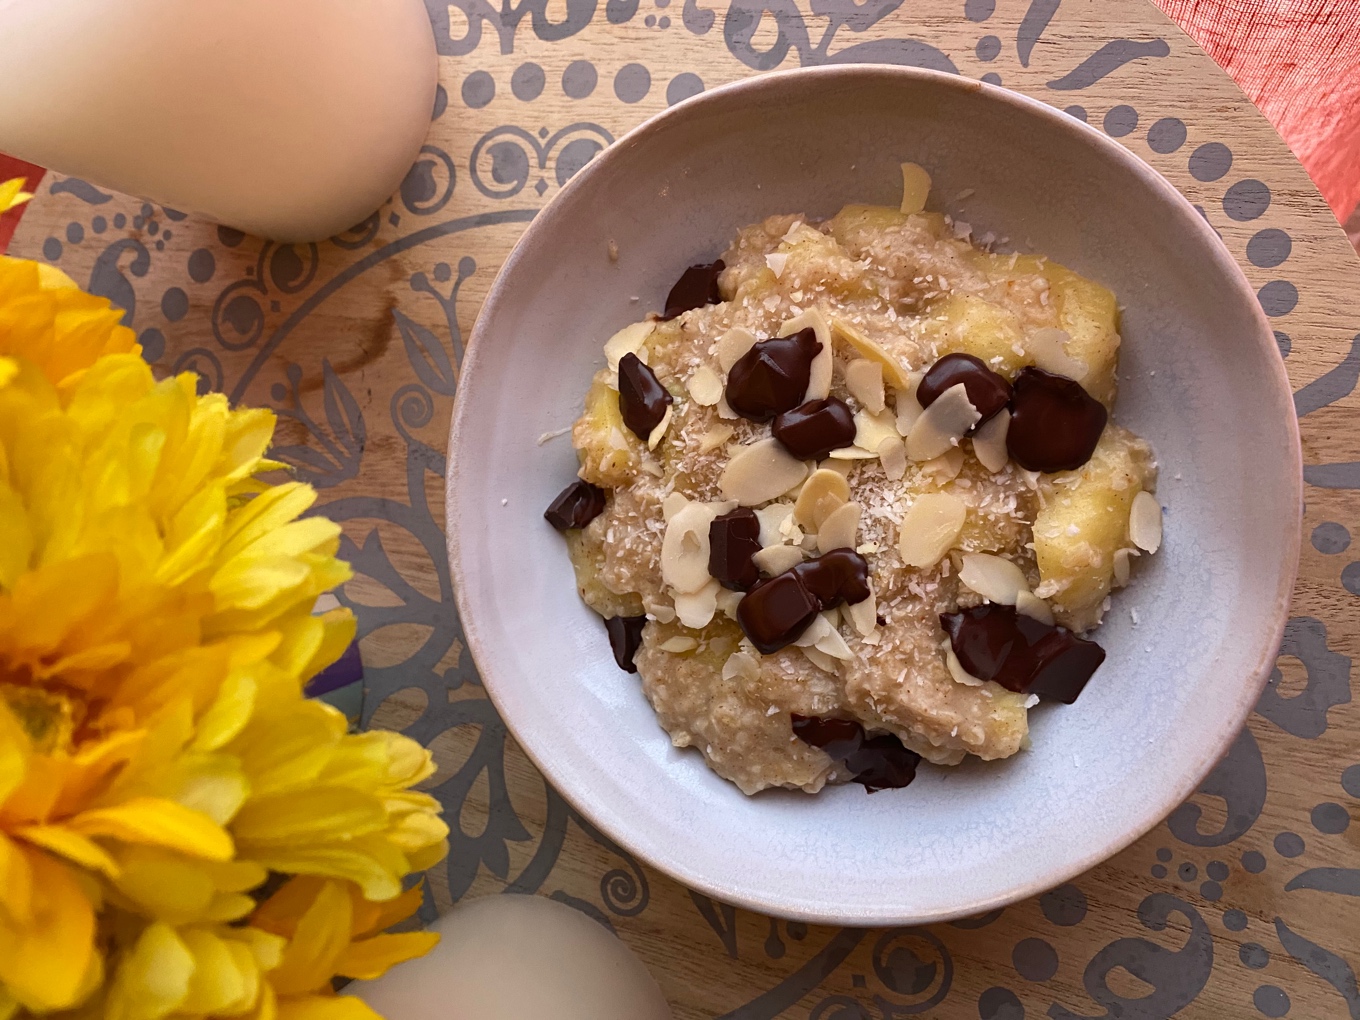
<point>71,845</point>
<point>44,963</point>
<point>325,1007</point>
<point>158,822</point>
<point>153,979</point>
<point>12,194</point>
<point>321,937</point>
<point>371,958</point>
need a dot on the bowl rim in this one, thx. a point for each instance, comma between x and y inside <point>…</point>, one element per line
<point>1231,717</point>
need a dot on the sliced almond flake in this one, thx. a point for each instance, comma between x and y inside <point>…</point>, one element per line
<point>705,386</point>
<point>809,544</point>
<point>732,346</point>
<point>696,610</point>
<point>930,528</point>
<point>872,429</point>
<point>942,425</point>
<point>777,558</point>
<point>956,669</point>
<point>989,442</point>
<point>654,440</point>
<point>629,340</point>
<point>679,644</point>
<point>995,578</point>
<point>659,608</point>
<point>1047,348</point>
<point>1145,522</point>
<point>673,504</point>
<point>651,467</point>
<point>776,262</point>
<point>1029,604</point>
<point>839,529</point>
<point>772,518</point>
<point>819,376</point>
<point>760,472</point>
<point>1031,701</point>
<point>725,410</point>
<point>1122,562</point>
<point>822,624</point>
<point>944,468</point>
<point>893,372</point>
<point>684,549</point>
<point>864,380</point>
<point>834,645</point>
<point>772,710</point>
<point>791,235</point>
<point>853,453</point>
<point>867,549</point>
<point>908,408</point>
<point>915,188</point>
<point>789,531</point>
<point>892,452</point>
<point>822,493</point>
<point>741,664</point>
<point>820,659</point>
<point>839,466</point>
<point>728,602</point>
<point>864,615</point>
<point>715,437</point>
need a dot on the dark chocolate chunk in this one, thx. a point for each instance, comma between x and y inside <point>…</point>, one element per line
<point>642,398</point>
<point>733,539</point>
<point>697,286</point>
<point>1055,424</point>
<point>775,612</point>
<point>841,575</point>
<point>575,506</point>
<point>812,430</point>
<point>625,638</point>
<point>876,763</point>
<point>772,377</point>
<point>987,391</point>
<point>995,642</point>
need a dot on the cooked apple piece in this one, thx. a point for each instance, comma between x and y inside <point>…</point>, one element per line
<point>967,324</point>
<point>586,549</point>
<point>608,452</point>
<point>1084,521</point>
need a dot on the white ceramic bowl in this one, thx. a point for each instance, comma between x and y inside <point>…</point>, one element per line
<point>1211,605</point>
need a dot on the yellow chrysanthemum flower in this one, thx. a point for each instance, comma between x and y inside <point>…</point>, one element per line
<point>157,757</point>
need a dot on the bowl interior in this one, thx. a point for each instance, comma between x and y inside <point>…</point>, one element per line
<point>1189,643</point>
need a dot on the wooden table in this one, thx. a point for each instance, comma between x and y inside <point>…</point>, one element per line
<point>1245,902</point>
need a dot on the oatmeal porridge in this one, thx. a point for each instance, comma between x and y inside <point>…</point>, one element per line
<point>852,499</point>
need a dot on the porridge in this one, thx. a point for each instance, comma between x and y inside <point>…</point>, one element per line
<point>852,499</point>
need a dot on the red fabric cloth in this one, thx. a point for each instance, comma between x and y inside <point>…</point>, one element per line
<point>10,169</point>
<point>1299,61</point>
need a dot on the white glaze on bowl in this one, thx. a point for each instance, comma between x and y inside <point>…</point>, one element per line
<point>1211,606</point>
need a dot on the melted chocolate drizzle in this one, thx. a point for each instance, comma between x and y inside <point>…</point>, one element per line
<point>876,763</point>
<point>995,642</point>
<point>1055,424</point>
<point>625,638</point>
<point>733,539</point>
<point>776,611</point>
<point>987,391</point>
<point>642,398</point>
<point>810,431</point>
<point>772,377</point>
<point>839,576</point>
<point>697,286</point>
<point>575,506</point>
